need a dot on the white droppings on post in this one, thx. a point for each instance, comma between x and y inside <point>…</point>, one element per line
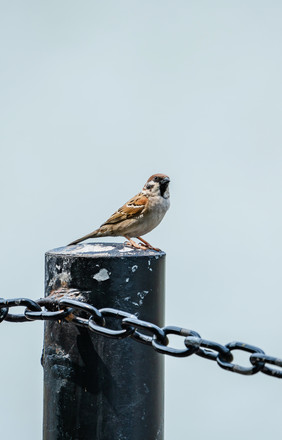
<point>86,248</point>
<point>141,296</point>
<point>134,268</point>
<point>97,248</point>
<point>102,275</point>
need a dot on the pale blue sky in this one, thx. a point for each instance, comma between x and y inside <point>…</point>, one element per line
<point>96,97</point>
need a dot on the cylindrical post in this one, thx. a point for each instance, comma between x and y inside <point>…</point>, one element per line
<point>98,388</point>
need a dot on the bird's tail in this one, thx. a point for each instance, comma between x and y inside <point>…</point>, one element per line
<point>94,234</point>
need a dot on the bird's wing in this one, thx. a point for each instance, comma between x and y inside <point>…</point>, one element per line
<point>132,209</point>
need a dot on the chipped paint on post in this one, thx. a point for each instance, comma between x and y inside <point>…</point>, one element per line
<point>102,275</point>
<point>141,296</point>
<point>63,278</point>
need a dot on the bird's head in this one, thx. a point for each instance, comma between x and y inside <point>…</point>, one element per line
<point>157,185</point>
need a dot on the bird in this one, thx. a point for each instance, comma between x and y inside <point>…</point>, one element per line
<point>140,215</point>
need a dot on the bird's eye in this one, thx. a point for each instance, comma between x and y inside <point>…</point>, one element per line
<point>156,179</point>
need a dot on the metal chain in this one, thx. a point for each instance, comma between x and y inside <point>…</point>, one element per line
<point>82,314</point>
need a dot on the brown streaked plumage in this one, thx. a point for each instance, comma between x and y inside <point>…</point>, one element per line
<point>139,215</point>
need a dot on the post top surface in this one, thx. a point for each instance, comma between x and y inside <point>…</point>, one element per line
<point>96,250</point>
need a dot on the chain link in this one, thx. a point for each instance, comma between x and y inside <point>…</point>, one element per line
<point>100,321</point>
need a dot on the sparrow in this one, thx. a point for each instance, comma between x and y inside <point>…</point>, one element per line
<point>138,216</point>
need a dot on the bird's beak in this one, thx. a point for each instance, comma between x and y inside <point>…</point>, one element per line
<point>166,180</point>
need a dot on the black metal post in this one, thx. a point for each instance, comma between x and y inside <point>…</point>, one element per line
<point>97,388</point>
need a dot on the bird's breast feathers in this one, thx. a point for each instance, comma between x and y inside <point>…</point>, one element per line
<point>150,217</point>
<point>157,207</point>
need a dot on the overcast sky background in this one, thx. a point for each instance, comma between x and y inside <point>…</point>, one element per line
<point>96,97</point>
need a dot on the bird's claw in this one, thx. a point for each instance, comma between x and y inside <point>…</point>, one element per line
<point>144,245</point>
<point>135,245</point>
<point>148,246</point>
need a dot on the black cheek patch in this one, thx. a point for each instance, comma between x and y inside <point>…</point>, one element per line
<point>163,188</point>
